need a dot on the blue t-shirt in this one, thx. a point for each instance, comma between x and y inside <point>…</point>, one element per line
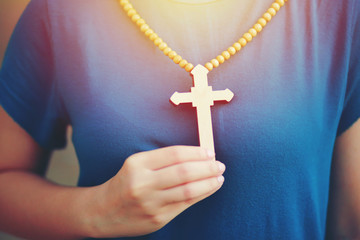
<point>297,87</point>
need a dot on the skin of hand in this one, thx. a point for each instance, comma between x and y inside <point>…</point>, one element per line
<point>154,187</point>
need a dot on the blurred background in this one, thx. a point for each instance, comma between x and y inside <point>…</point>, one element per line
<point>63,168</point>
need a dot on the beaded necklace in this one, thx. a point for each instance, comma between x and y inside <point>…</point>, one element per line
<point>201,95</point>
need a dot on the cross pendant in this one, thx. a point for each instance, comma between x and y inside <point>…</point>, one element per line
<point>202,97</point>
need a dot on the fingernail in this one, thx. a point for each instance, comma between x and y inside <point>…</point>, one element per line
<point>221,179</point>
<point>221,166</point>
<point>210,153</point>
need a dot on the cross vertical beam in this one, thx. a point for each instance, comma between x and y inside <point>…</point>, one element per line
<point>202,97</point>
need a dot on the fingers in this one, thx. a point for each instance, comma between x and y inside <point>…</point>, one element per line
<point>178,207</point>
<point>163,157</point>
<point>191,191</point>
<point>153,187</point>
<point>169,211</point>
<point>187,172</point>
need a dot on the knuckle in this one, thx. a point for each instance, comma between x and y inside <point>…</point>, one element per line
<point>188,192</point>
<point>157,220</point>
<point>134,193</point>
<point>147,209</point>
<point>137,183</point>
<point>134,189</point>
<point>182,172</point>
<point>131,163</point>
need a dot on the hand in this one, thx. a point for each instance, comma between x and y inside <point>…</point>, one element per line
<point>154,187</point>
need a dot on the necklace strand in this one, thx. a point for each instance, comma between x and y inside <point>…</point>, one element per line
<point>215,62</point>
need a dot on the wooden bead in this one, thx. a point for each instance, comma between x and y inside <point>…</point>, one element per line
<point>158,41</point>
<point>215,63</point>
<point>220,58</point>
<point>135,17</point>
<point>253,32</point>
<point>131,12</point>
<point>172,54</point>
<point>123,2</point>
<point>127,7</point>
<point>248,37</point>
<point>272,11</point>
<point>237,46</point>
<point>162,46</point>
<point>149,32</point>
<point>140,22</point>
<point>153,36</point>
<point>177,59</point>
<point>242,42</point>
<point>189,67</point>
<point>144,27</point>
<point>276,6</point>
<point>183,63</point>
<point>280,2</point>
<point>262,22</point>
<point>267,16</point>
<point>209,66</point>
<point>167,50</point>
<point>226,55</point>
<point>258,27</point>
<point>231,50</point>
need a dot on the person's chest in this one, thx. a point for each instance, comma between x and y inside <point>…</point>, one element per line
<point>116,87</point>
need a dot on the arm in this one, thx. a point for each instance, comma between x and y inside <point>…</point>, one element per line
<point>26,199</point>
<point>344,202</point>
<point>149,191</point>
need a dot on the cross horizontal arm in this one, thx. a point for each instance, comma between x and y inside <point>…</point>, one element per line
<point>178,98</point>
<point>222,95</point>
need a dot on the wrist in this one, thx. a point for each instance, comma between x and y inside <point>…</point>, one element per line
<point>90,209</point>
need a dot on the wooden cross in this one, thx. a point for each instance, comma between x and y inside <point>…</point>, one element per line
<point>202,97</point>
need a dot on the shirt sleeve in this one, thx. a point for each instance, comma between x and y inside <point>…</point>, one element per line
<point>351,109</point>
<point>28,90</point>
